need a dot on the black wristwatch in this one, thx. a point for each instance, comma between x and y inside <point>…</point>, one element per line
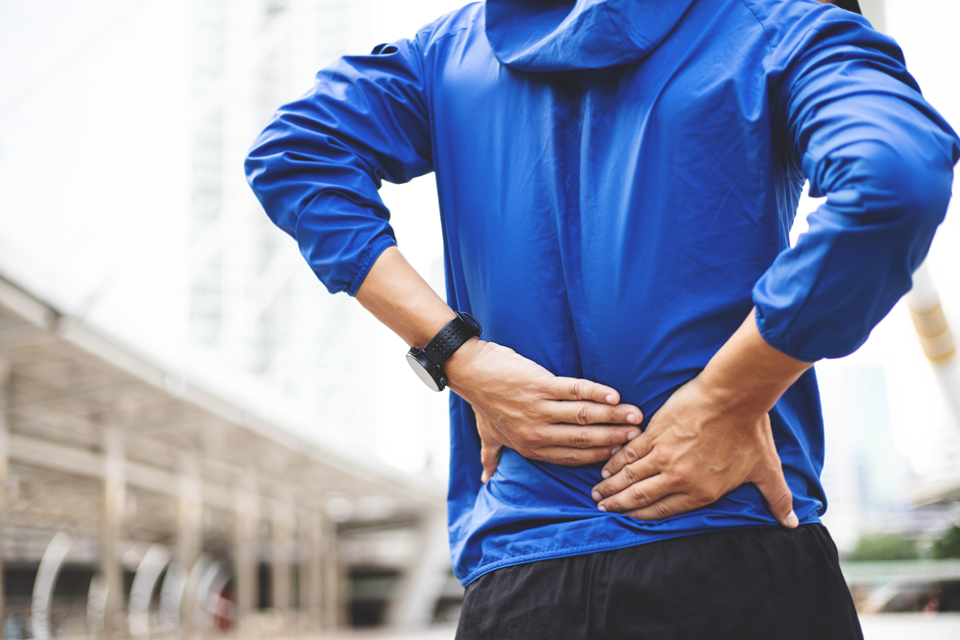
<point>427,363</point>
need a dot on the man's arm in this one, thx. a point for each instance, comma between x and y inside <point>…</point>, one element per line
<point>851,116</point>
<point>317,168</point>
<point>710,437</point>
<point>519,403</point>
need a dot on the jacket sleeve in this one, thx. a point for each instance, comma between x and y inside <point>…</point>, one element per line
<point>319,163</point>
<point>852,118</point>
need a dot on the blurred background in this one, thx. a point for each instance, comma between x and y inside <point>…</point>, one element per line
<point>195,438</point>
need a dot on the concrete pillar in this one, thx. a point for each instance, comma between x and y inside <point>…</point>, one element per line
<point>245,551</point>
<point>875,12</point>
<point>937,340</point>
<point>189,537</point>
<point>111,524</point>
<point>281,553</point>
<point>311,570</point>
<point>5,383</point>
<point>423,582</point>
<point>333,586</point>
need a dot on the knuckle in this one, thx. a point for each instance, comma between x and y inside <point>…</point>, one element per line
<point>662,511</point>
<point>530,437</point>
<point>629,454</point>
<point>582,439</point>
<point>661,458</point>
<point>576,390</point>
<point>681,476</point>
<point>706,495</point>
<point>570,459</point>
<point>629,475</point>
<point>639,497</point>
<point>583,414</point>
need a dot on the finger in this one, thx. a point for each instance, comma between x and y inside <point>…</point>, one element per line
<point>490,459</point>
<point>637,496</point>
<point>773,486</point>
<point>628,475</point>
<point>490,447</point>
<point>573,457</point>
<point>586,437</point>
<point>671,505</point>
<point>579,389</point>
<point>589,412</point>
<point>637,448</point>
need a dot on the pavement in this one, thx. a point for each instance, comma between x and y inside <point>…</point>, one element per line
<point>911,626</point>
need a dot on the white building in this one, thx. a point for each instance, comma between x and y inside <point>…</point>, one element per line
<point>123,128</point>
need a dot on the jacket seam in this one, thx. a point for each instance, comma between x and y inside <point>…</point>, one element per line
<point>616,31</point>
<point>763,28</point>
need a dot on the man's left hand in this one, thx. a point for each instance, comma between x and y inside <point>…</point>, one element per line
<point>697,448</point>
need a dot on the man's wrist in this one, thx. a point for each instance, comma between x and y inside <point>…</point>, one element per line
<point>748,372</point>
<point>457,367</point>
<point>439,318</point>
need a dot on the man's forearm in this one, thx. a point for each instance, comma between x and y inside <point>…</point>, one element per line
<point>748,372</point>
<point>525,406</point>
<point>395,293</point>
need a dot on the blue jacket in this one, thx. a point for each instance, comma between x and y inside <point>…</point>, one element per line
<point>617,179</point>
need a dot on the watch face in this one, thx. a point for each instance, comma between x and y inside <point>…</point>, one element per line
<point>422,373</point>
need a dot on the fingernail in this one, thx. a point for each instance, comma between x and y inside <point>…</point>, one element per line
<point>792,520</point>
<point>596,496</point>
<point>613,451</point>
<point>605,473</point>
<point>609,398</point>
<point>632,434</point>
<point>601,507</point>
<point>631,417</point>
<point>483,477</point>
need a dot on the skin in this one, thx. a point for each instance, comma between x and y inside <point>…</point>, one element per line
<point>519,403</point>
<point>711,436</point>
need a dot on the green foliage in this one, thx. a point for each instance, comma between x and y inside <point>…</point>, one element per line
<point>947,545</point>
<point>884,546</point>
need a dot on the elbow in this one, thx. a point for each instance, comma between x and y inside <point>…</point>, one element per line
<point>255,165</point>
<point>905,185</point>
<point>923,189</point>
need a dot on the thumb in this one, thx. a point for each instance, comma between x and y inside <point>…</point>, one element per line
<point>489,458</point>
<point>773,486</point>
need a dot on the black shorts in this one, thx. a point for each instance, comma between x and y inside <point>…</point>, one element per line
<point>743,584</point>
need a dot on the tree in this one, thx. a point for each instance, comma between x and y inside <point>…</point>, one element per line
<point>884,546</point>
<point>947,545</point>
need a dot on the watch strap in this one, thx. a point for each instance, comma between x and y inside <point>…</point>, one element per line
<point>450,338</point>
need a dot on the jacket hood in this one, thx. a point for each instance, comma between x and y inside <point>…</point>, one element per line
<point>563,35</point>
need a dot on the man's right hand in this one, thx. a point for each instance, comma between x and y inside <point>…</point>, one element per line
<point>521,405</point>
<point>524,406</point>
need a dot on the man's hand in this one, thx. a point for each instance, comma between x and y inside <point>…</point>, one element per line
<point>696,449</point>
<point>521,405</point>
<point>711,436</point>
<point>527,408</point>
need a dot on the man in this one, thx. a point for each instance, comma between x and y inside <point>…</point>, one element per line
<point>617,179</point>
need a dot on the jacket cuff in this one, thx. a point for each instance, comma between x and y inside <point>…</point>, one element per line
<point>370,256</point>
